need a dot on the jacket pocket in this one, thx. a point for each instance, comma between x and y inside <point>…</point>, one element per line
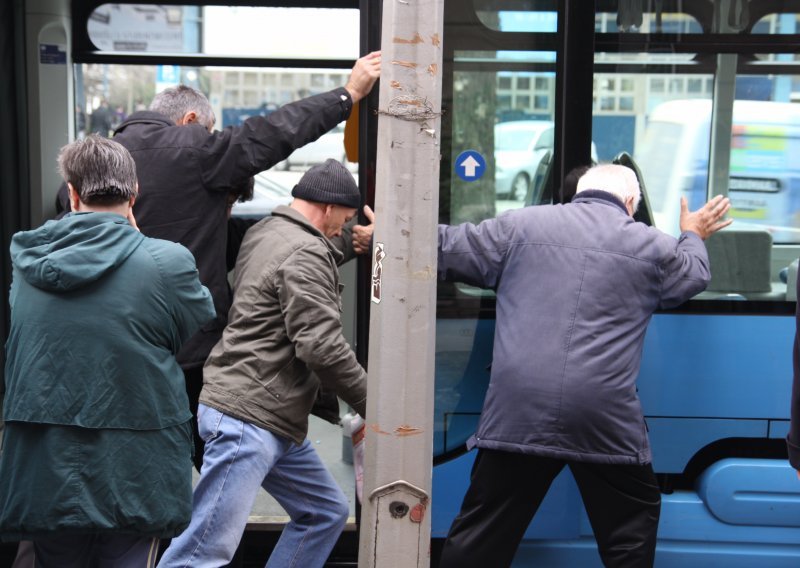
<point>280,384</point>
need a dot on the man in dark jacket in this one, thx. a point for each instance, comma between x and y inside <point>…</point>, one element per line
<point>186,172</point>
<point>576,286</point>
<point>284,339</point>
<point>94,464</point>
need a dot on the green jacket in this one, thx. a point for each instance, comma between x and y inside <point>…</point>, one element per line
<point>284,335</point>
<point>98,437</point>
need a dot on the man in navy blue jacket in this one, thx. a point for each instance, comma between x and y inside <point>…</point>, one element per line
<point>576,286</point>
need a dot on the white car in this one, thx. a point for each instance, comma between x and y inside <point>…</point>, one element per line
<point>518,148</point>
<point>270,190</point>
<point>329,145</point>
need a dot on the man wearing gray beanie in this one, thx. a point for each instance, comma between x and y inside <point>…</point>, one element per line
<point>282,343</point>
<point>328,183</point>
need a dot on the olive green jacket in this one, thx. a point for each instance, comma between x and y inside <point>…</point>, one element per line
<point>284,335</point>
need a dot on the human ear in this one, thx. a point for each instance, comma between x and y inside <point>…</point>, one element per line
<point>189,118</point>
<point>629,205</point>
<point>74,199</point>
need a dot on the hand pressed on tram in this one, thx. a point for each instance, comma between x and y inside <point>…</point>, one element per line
<point>362,234</point>
<point>363,76</point>
<point>708,219</point>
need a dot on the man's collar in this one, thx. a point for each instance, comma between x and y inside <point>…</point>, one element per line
<point>295,216</point>
<point>595,194</point>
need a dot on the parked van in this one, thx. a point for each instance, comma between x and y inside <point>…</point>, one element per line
<point>764,182</point>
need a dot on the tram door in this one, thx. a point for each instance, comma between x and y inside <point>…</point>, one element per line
<point>716,373</point>
<point>112,58</point>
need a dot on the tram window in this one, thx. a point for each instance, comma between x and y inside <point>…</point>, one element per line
<point>106,93</point>
<point>764,182</point>
<point>516,16</point>
<point>667,127</point>
<point>646,22</point>
<point>512,128</point>
<point>777,24</point>
<point>281,33</point>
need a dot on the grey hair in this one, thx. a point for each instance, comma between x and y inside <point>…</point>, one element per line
<point>101,171</point>
<point>175,102</point>
<point>617,180</point>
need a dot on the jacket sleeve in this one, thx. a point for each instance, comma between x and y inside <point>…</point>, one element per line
<point>238,152</point>
<point>344,242</point>
<point>474,254</point>
<point>311,312</point>
<point>191,302</point>
<point>685,271</point>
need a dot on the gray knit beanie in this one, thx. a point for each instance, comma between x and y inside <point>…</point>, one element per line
<point>328,183</point>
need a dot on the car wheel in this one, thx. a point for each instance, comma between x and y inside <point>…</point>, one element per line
<point>519,187</point>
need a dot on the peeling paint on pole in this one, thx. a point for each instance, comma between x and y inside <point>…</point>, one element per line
<point>395,524</point>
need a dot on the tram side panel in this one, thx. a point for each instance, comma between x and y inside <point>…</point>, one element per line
<point>706,379</point>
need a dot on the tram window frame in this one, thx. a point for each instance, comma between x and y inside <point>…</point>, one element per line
<point>84,50</point>
<point>470,310</point>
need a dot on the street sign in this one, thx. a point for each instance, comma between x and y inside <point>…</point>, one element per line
<point>470,165</point>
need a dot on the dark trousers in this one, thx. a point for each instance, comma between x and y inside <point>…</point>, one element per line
<point>194,384</point>
<point>95,551</point>
<point>623,503</point>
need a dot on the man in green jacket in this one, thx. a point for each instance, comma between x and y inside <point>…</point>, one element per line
<point>96,463</point>
<point>282,342</point>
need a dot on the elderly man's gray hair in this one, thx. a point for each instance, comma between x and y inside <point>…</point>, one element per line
<point>175,102</point>
<point>616,180</point>
<point>101,171</point>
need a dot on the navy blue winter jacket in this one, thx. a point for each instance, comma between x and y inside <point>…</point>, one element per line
<point>576,286</point>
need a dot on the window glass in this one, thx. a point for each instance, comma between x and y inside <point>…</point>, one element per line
<point>509,133</point>
<point>778,24</point>
<point>631,17</point>
<point>516,16</point>
<point>145,27</point>
<point>667,127</point>
<point>280,33</point>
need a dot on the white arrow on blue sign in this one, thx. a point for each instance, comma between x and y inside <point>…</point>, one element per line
<point>470,165</point>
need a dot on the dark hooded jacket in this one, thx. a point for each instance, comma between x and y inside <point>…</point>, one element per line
<point>185,174</point>
<point>576,287</point>
<point>97,437</point>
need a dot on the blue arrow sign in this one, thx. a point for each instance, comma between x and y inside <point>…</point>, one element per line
<point>470,165</point>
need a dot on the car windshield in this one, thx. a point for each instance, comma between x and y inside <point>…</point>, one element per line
<point>272,188</point>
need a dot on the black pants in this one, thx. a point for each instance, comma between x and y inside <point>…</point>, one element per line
<point>194,384</point>
<point>623,503</point>
<point>95,551</point>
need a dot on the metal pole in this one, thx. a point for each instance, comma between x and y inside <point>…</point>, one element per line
<point>722,108</point>
<point>395,524</point>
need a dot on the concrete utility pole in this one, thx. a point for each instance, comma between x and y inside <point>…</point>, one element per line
<point>395,524</point>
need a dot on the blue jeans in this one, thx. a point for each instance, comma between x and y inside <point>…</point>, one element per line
<point>239,458</point>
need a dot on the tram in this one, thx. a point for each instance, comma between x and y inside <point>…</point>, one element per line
<point>697,96</point>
